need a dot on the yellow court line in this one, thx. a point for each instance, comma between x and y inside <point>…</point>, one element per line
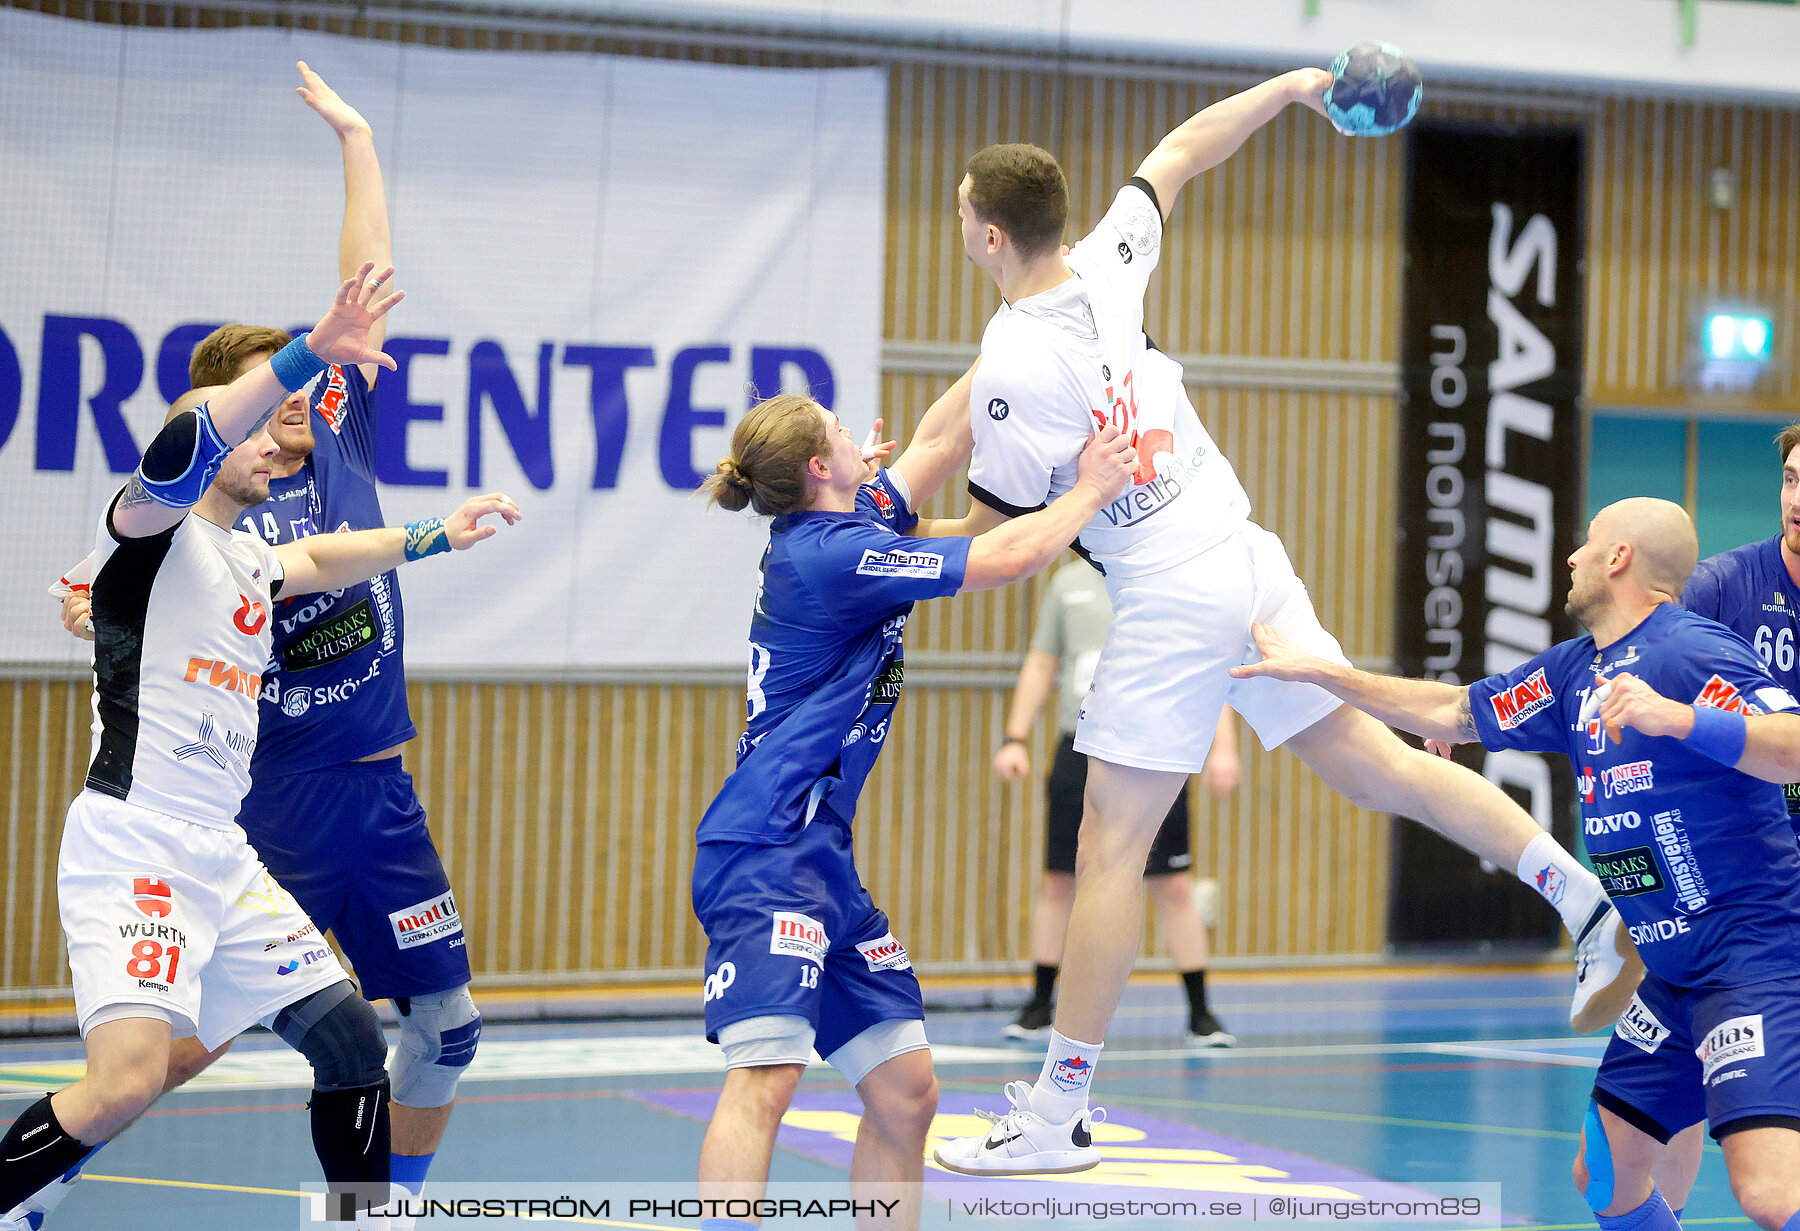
<point>289,1192</point>
<point>216,1188</point>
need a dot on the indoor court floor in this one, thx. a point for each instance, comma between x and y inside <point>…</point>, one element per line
<point>1391,1083</point>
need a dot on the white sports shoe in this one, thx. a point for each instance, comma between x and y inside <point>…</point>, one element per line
<point>1607,971</point>
<point>30,1213</point>
<point>1023,1142</point>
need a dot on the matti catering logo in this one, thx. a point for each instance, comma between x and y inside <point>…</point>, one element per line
<point>886,953</point>
<point>424,922</point>
<point>1514,705</point>
<point>1730,1042</point>
<point>798,935</point>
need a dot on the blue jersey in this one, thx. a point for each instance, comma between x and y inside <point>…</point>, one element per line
<point>826,662</point>
<point>335,687</point>
<point>1748,590</point>
<point>1698,857</point>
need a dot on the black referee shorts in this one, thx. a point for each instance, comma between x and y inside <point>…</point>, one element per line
<point>1169,853</point>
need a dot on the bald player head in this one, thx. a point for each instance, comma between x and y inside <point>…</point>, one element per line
<point>1639,552</point>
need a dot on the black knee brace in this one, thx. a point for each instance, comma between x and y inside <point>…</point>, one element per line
<point>340,1036</point>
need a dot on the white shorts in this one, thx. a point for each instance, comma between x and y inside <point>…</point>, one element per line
<point>1162,678</point>
<point>180,917</point>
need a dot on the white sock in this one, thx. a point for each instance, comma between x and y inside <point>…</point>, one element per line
<point>1062,1088</point>
<point>1561,881</point>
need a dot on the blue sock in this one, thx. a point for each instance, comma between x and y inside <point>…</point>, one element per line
<point>734,1224</point>
<point>408,1170</point>
<point>1653,1215</point>
<point>1792,1224</point>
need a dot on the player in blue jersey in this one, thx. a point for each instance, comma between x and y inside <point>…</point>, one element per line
<point>799,956</point>
<point>331,809</point>
<point>1688,832</point>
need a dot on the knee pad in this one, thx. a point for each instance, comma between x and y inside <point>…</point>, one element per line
<point>340,1036</point>
<point>181,461</point>
<point>1597,1154</point>
<point>757,1042</point>
<point>437,1041</point>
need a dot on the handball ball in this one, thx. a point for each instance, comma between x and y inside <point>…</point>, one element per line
<point>1375,89</point>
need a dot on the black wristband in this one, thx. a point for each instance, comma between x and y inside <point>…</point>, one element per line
<point>1012,739</point>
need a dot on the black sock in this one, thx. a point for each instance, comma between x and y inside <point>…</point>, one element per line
<point>1045,977</point>
<point>35,1151</point>
<point>350,1135</point>
<point>1196,993</point>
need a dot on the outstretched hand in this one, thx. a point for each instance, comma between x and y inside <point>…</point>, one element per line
<point>342,334</point>
<point>1630,702</point>
<point>343,118</point>
<point>875,450</point>
<point>1310,86</point>
<point>1281,659</point>
<point>461,527</point>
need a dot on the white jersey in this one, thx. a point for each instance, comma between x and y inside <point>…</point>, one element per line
<point>1058,364</point>
<point>181,635</point>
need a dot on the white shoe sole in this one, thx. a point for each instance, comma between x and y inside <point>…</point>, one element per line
<point>1216,1039</point>
<point>1016,1031</point>
<point>1608,1002</point>
<point>1056,1162</point>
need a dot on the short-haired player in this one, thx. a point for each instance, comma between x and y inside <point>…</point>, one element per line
<point>1188,573</point>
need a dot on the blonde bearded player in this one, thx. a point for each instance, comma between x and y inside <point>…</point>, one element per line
<point>1188,573</point>
<point>173,925</point>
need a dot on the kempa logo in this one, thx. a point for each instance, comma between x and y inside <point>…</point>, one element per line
<point>998,409</point>
<point>900,564</point>
<point>797,935</point>
<point>885,954</point>
<point>424,922</point>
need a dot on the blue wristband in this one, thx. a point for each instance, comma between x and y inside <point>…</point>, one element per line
<point>426,538</point>
<point>1720,734</point>
<point>295,364</point>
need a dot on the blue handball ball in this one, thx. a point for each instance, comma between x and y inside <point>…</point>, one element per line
<point>1375,90</point>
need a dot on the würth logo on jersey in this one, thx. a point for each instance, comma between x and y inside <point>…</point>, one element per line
<point>152,896</point>
<point>223,675</point>
<point>1514,705</point>
<point>797,935</point>
<point>424,922</point>
<point>885,954</point>
<point>251,615</point>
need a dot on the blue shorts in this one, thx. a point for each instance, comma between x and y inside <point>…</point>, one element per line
<point>1730,1056</point>
<point>350,844</point>
<point>801,937</point>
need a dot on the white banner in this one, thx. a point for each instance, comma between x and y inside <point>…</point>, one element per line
<point>601,256</point>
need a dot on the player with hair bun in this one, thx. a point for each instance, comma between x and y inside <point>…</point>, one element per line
<point>799,956</point>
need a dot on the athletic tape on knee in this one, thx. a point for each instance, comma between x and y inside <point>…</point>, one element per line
<point>180,463</point>
<point>774,1039</point>
<point>1597,1154</point>
<point>877,1045</point>
<point>438,1035</point>
<point>340,1036</point>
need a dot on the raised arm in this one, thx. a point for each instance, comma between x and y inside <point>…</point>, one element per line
<point>364,235</point>
<point>179,465</point>
<point>1429,708</point>
<point>941,445</point>
<point>334,561</point>
<point>1211,136</point>
<point>1027,544</point>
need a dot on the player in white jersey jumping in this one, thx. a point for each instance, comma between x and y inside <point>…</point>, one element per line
<point>174,927</point>
<point>1188,573</point>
